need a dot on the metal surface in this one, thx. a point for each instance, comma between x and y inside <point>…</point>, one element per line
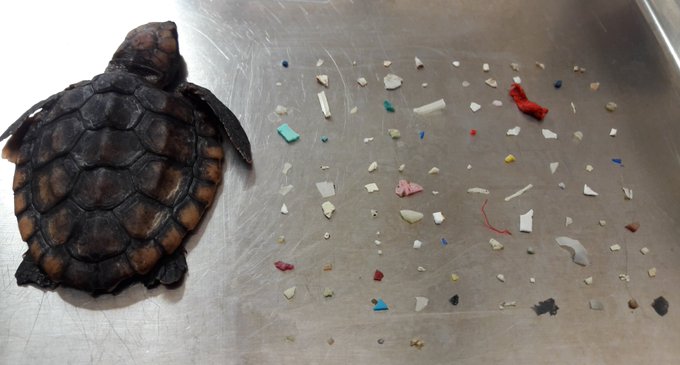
<point>230,308</point>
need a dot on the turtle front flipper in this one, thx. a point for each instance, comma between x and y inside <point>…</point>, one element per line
<point>19,128</point>
<point>29,273</point>
<point>201,96</point>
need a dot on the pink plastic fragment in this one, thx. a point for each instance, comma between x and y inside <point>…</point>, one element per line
<point>405,188</point>
<point>283,266</point>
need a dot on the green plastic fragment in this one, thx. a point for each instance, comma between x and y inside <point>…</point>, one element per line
<point>388,106</point>
<point>287,133</point>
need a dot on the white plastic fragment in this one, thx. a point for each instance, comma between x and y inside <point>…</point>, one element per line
<point>578,135</point>
<point>419,63</point>
<point>324,167</point>
<point>379,252</point>
<point>328,209</point>
<point>411,216</point>
<point>373,166</point>
<point>326,235</point>
<point>588,280</point>
<point>513,131</point>
<point>554,166</point>
<point>456,63</point>
<point>278,84</point>
<point>602,223</point>
<point>624,277</point>
<point>485,67</point>
<point>526,221</point>
<point>326,188</point>
<point>644,250</point>
<point>424,85</point>
<point>394,133</point>
<point>548,134</point>
<point>285,189</point>
<point>613,132</point>
<point>615,247</point>
<point>289,293</point>
<point>596,305</point>
<point>507,304</point>
<point>417,244</point>
<point>322,79</point>
<point>651,272</point>
<point>402,167</point>
<point>421,303</point>
<point>438,217</point>
<point>491,82</point>
<point>519,192</point>
<point>353,110</point>
<point>568,221</point>
<point>562,186</point>
<point>532,280</point>
<point>478,191</point>
<point>392,81</point>
<point>374,213</point>
<point>362,82</point>
<point>284,209</point>
<point>540,65</point>
<point>465,83</point>
<point>497,103</point>
<point>433,171</point>
<point>500,278</point>
<point>588,191</point>
<point>514,66</point>
<point>594,86</point>
<point>474,106</point>
<point>319,62</point>
<point>495,245</point>
<point>469,167</point>
<point>372,187</point>
<point>517,79</point>
<point>281,110</point>
<point>579,253</point>
<point>368,139</point>
<point>325,109</point>
<point>590,168</point>
<point>573,107</point>
<point>377,242</point>
<point>387,63</point>
<point>431,107</point>
<point>421,269</point>
<point>286,167</point>
<point>628,193</point>
<point>435,192</point>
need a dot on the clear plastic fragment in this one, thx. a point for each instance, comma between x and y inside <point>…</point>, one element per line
<point>513,131</point>
<point>323,101</point>
<point>411,216</point>
<point>579,253</point>
<point>326,188</point>
<point>392,81</point>
<point>519,192</point>
<point>431,107</point>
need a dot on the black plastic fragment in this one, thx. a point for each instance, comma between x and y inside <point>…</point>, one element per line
<point>558,84</point>
<point>546,306</point>
<point>454,300</point>
<point>660,305</point>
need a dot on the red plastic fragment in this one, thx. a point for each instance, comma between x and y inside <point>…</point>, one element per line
<point>633,227</point>
<point>378,276</point>
<point>283,266</point>
<point>473,132</point>
<point>525,105</point>
<point>405,188</point>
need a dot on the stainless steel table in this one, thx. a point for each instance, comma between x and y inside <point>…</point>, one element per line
<point>231,309</point>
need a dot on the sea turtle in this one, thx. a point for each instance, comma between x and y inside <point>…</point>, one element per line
<point>112,173</point>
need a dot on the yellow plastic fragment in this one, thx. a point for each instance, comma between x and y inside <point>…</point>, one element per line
<point>510,158</point>
<point>455,277</point>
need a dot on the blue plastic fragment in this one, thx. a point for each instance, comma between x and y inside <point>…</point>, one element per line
<point>617,161</point>
<point>422,134</point>
<point>558,84</point>
<point>388,106</point>
<point>444,241</point>
<point>287,133</point>
<point>380,306</point>
<point>284,63</point>
<point>324,139</point>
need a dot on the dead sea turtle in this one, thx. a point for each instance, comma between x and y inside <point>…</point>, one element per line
<point>112,173</point>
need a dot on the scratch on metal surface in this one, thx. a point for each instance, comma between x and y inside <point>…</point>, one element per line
<point>30,334</point>
<point>113,328</point>
<point>211,42</point>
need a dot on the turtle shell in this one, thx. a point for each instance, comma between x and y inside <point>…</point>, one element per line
<point>111,178</point>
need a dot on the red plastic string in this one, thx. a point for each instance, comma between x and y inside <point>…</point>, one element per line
<point>525,105</point>
<point>488,225</point>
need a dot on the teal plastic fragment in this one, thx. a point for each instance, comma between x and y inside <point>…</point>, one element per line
<point>380,306</point>
<point>287,133</point>
<point>388,106</point>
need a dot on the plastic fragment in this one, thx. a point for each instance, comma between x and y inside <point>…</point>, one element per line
<point>507,304</point>
<point>353,110</point>
<point>326,188</point>
<point>328,292</point>
<point>325,109</point>
<point>568,221</point>
<point>419,63</point>
<point>573,107</point>
<point>289,293</point>
<point>519,192</point>
<point>284,209</point>
<point>424,85</point>
<point>378,275</point>
<point>532,280</point>
<point>652,272</point>
<point>596,305</point>
<point>602,223</point>
<point>286,167</point>
<point>368,139</point>
<point>394,133</point>
<point>392,81</point>
<point>495,245</point>
<point>617,161</point>
<point>433,171</point>
<point>431,107</point>
<point>633,227</point>
<point>421,269</point>
<point>594,86</point>
<point>435,192</point>
<point>485,67</point>
<point>438,218</point>
<point>546,306</point>
<point>473,132</point>
<point>615,247</point>
<point>611,106</point>
<point>281,239</point>
<point>588,280</point>
<point>324,139</point>
<point>497,103</point>
<point>644,250</point>
<point>579,69</point>
<point>444,241</point>
<point>373,166</point>
<point>510,158</point>
<point>613,132</point>
<point>562,186</point>
<point>380,306</point>
<point>284,266</point>
<point>324,167</point>
<point>326,235</point>
<point>417,343</point>
<point>469,167</point>
<point>278,84</point>
<point>588,191</point>
<point>500,278</point>
<point>633,304</point>
<point>517,79</point>
<point>455,277</point>
<point>281,110</point>
<point>387,63</point>
<point>372,187</point>
<point>417,244</point>
<point>388,106</point>
<point>558,84</point>
<point>405,188</point>
<point>288,134</point>
<point>454,299</point>
<point>478,191</point>
<point>465,83</point>
<point>590,168</point>
<point>456,63</point>
<point>578,135</point>
<point>421,134</point>
<point>624,277</point>
<point>421,303</point>
<point>548,134</point>
<point>327,266</point>
<point>526,221</point>
<point>284,63</point>
<point>411,216</point>
<point>530,250</point>
<point>319,62</point>
<point>285,189</point>
<point>330,341</point>
<point>525,105</point>
<point>660,305</point>
<point>579,253</point>
<point>328,209</point>
<point>554,166</point>
<point>322,79</point>
<point>513,131</point>
<point>362,82</point>
<point>514,66</point>
<point>402,167</point>
<point>380,252</point>
<point>540,65</point>
<point>491,82</point>
<point>377,242</point>
<point>474,106</point>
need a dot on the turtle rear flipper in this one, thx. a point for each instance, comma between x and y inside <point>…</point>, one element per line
<point>169,271</point>
<point>29,273</point>
<point>200,95</point>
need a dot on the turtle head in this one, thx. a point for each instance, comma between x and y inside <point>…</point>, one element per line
<point>152,52</point>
